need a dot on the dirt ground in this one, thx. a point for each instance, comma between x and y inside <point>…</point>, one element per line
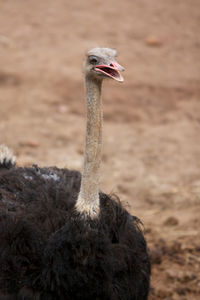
<point>151,155</point>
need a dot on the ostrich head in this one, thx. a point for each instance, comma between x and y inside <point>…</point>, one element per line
<point>100,63</point>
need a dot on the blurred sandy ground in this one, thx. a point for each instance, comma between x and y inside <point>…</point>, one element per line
<point>151,155</point>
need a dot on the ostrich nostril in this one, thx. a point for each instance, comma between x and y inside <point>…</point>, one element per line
<point>116,66</point>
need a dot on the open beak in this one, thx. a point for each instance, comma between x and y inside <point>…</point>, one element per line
<point>111,70</point>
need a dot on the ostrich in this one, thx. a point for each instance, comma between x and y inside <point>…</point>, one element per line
<point>60,237</point>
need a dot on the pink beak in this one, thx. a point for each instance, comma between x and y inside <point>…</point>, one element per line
<point>111,70</point>
<point>117,66</point>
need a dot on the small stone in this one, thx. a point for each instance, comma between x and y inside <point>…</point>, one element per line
<point>62,109</point>
<point>171,274</point>
<point>171,221</point>
<point>30,143</point>
<point>153,41</point>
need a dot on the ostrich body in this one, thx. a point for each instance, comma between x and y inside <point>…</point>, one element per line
<point>62,239</point>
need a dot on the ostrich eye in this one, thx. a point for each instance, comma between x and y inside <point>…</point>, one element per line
<point>93,60</point>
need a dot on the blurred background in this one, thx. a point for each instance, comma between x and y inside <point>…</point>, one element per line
<point>151,153</point>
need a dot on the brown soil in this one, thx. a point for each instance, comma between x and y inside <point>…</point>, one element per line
<point>151,155</point>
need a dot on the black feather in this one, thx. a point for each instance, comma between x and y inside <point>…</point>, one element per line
<point>48,251</point>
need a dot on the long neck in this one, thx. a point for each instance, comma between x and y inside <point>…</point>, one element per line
<point>88,199</point>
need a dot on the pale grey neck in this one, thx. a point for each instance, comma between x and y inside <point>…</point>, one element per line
<point>88,199</point>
